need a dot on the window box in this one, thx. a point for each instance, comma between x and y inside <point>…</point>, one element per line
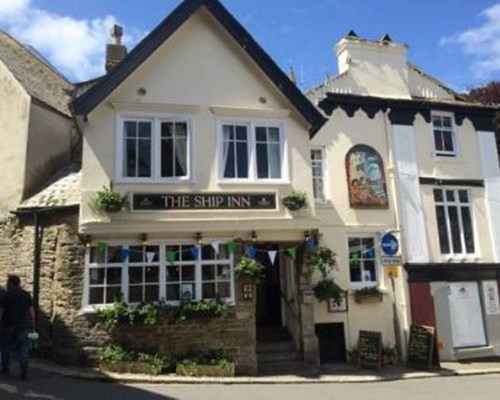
<point>190,369</point>
<point>127,367</point>
<point>368,296</point>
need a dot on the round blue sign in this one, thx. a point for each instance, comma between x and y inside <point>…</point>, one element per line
<point>390,244</point>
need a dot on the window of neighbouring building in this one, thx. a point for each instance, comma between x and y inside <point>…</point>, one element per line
<point>454,221</point>
<point>153,149</point>
<point>318,173</point>
<point>444,135</point>
<point>252,151</point>
<point>362,261</point>
<point>174,273</point>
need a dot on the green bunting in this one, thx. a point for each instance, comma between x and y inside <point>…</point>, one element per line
<point>355,259</point>
<point>101,248</point>
<point>171,257</point>
<point>292,252</point>
<point>231,247</point>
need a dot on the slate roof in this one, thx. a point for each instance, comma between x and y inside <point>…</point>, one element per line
<point>63,190</point>
<point>104,87</point>
<point>36,75</point>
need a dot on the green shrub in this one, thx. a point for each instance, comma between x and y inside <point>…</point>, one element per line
<point>295,200</point>
<point>108,201</point>
<point>327,289</point>
<point>115,354</point>
<point>249,270</point>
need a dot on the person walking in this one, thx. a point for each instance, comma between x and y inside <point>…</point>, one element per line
<point>17,317</point>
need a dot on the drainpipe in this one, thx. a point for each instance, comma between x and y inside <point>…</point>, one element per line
<point>37,264</point>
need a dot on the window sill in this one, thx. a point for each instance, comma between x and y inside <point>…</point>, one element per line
<point>253,182</point>
<point>458,259</point>
<point>123,181</point>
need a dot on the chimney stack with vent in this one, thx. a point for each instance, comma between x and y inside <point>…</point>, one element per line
<point>115,52</point>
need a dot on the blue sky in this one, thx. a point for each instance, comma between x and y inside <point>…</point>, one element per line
<point>457,41</point>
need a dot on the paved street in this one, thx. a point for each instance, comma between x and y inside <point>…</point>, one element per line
<point>52,387</point>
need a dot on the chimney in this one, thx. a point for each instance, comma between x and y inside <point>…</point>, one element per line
<point>115,52</point>
<point>376,67</point>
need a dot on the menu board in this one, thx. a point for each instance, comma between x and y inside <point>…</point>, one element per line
<point>370,349</point>
<point>421,347</point>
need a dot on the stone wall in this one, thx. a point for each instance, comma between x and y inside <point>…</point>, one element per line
<point>67,334</point>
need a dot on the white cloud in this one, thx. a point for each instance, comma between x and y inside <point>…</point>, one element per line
<point>12,8</point>
<point>75,46</point>
<point>482,43</point>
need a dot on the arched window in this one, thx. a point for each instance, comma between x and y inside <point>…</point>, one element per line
<point>366,178</point>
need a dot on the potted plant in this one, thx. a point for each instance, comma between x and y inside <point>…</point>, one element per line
<point>120,360</point>
<point>324,260</point>
<point>108,201</point>
<point>295,200</point>
<point>368,295</point>
<point>327,289</point>
<point>249,270</point>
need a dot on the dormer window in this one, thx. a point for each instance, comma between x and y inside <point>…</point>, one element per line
<point>444,135</point>
<point>152,149</point>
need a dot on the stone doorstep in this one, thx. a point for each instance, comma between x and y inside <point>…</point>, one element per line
<point>364,376</point>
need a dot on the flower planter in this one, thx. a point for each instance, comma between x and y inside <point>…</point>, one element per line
<point>368,299</point>
<point>127,367</point>
<point>113,208</point>
<point>205,370</point>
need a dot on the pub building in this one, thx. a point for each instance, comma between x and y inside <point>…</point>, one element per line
<point>205,135</point>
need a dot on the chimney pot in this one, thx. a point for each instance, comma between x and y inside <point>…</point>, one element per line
<point>115,51</point>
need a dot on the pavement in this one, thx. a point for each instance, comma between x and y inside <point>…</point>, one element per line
<point>328,374</point>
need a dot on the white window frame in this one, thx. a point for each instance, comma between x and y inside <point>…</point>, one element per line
<point>156,120</point>
<point>163,262</point>
<point>378,271</point>
<point>324,174</point>
<point>445,203</point>
<point>253,124</point>
<point>444,154</point>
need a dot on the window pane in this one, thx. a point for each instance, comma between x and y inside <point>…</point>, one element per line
<point>463,196</point>
<point>187,253</point>
<point>468,232</point>
<point>96,257</point>
<point>135,294</point>
<point>173,274</point>
<point>136,254</point>
<point>369,274</point>
<point>208,272</point>
<point>224,290</point>
<point>261,134</point>
<point>242,159</point>
<point>273,135</point>
<point>438,195</point>
<point>275,161</point>
<point>167,152</point>
<point>446,122</point>
<point>130,129</point>
<point>208,291</point>
<point>135,275</point>
<point>223,272</point>
<point>129,162</point>
<point>262,161</point>
<point>442,230</point>
<point>180,149</point>
<point>144,158</point>
<point>241,133</point>
<point>455,230</point>
<point>230,157</point>
<point>113,294</point>
<point>97,276</point>
<point>438,140</point>
<point>188,273</point>
<point>152,274</point>
<point>114,276</point>
<point>208,253</point>
<point>436,121</point>
<point>450,195</point>
<point>355,272</point>
<point>173,292</point>
<point>114,254</point>
<point>188,292</point>
<point>145,130</point>
<point>96,295</point>
<point>152,293</point>
<point>448,141</point>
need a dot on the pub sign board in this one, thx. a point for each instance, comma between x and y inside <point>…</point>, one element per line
<point>421,348</point>
<point>203,201</point>
<point>370,349</point>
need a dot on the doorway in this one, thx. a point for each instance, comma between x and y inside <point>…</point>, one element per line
<point>331,339</point>
<point>268,307</point>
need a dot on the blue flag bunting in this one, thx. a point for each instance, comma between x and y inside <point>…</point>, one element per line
<point>251,252</point>
<point>125,254</point>
<point>310,244</point>
<point>194,252</point>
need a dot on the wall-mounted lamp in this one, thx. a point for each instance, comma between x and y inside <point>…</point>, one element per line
<point>87,241</point>
<point>254,236</point>
<point>144,239</point>
<point>199,237</point>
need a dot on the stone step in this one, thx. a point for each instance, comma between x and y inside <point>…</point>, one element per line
<point>286,368</point>
<point>278,356</point>
<point>273,335</point>
<point>273,347</point>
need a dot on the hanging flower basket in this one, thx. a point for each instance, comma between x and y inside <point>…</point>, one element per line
<point>108,201</point>
<point>295,200</point>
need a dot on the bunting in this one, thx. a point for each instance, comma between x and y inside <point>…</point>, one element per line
<point>125,253</point>
<point>252,252</point>
<point>310,244</point>
<point>292,252</point>
<point>171,257</point>
<point>194,252</point>
<point>215,245</point>
<point>101,248</point>
<point>150,256</point>
<point>231,247</point>
<point>272,255</point>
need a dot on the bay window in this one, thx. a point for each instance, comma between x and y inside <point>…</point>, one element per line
<point>252,151</point>
<point>454,221</point>
<point>153,149</point>
<point>173,273</point>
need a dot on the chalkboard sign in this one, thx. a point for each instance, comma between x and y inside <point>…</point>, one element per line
<point>370,349</point>
<point>421,347</point>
